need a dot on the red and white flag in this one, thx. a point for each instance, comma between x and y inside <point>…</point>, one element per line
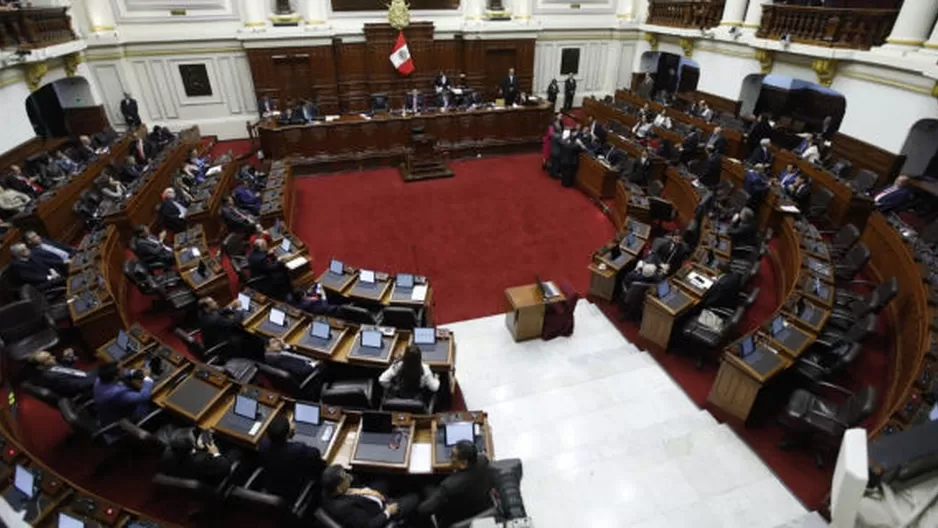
<point>400,56</point>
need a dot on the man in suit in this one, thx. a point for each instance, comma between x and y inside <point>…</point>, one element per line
<point>85,150</point>
<point>288,466</point>
<point>189,457</point>
<point>309,111</point>
<point>30,269</point>
<point>236,220</point>
<point>761,155</point>
<point>299,367</point>
<point>23,183</point>
<point>641,170</point>
<point>717,141</point>
<point>668,252</point>
<point>141,150</point>
<point>60,377</point>
<point>799,190</point>
<point>151,249</point>
<point>219,325</point>
<point>712,169</point>
<point>597,131</point>
<point>65,164</point>
<point>53,253</point>
<point>690,146</point>
<point>704,112</point>
<point>129,111</point>
<point>760,129</point>
<point>569,158</point>
<point>172,213</point>
<point>414,101</point>
<point>724,292</point>
<point>313,300</point>
<point>510,88</point>
<point>556,150</point>
<point>742,229</point>
<point>361,507</point>
<point>247,199</point>
<point>896,197</point>
<point>462,494</point>
<point>265,106</point>
<point>756,184</point>
<point>263,262</point>
<point>569,92</point>
<point>441,82</point>
<point>12,201</point>
<point>131,170</point>
<point>115,400</point>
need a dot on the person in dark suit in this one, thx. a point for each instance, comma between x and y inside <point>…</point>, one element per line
<point>85,150</point>
<point>151,249</point>
<point>724,292</point>
<point>27,268</point>
<point>690,146</point>
<point>465,493</point>
<point>236,220</point>
<point>288,466</point>
<point>552,90</point>
<point>263,262</point>
<point>668,252</point>
<point>54,253</point>
<point>129,111</point>
<point>756,185</point>
<point>115,400</point>
<point>712,169</point>
<point>510,88</point>
<point>172,212</point>
<point>62,377</point>
<point>19,181</point>
<point>265,106</point>
<point>896,197</point>
<point>247,199</point>
<point>742,229</point>
<point>444,99</point>
<point>441,82</point>
<point>597,131</point>
<point>221,325</point>
<point>569,158</point>
<point>313,300</point>
<point>131,170</point>
<point>799,191</point>
<point>759,130</point>
<point>309,110</point>
<point>641,171</point>
<point>569,92</point>
<point>717,140</point>
<point>761,155</point>
<point>298,367</point>
<point>141,150</point>
<point>189,457</point>
<point>414,101</point>
<point>361,507</point>
<point>556,150</point>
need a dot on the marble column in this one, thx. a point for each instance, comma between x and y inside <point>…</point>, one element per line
<point>254,13</point>
<point>754,14</point>
<point>522,10</point>
<point>475,10</point>
<point>912,27</point>
<point>625,10</point>
<point>733,12</point>
<point>315,12</point>
<point>100,16</point>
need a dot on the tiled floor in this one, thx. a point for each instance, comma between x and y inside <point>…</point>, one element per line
<point>606,437</point>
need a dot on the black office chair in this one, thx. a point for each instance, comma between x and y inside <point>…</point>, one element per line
<point>843,240</point>
<point>818,365</point>
<point>171,294</point>
<point>233,247</point>
<point>24,329</point>
<point>654,188</point>
<point>854,261</point>
<point>832,337</point>
<point>425,403</point>
<point>633,299</point>
<point>710,338</point>
<point>83,423</point>
<point>810,419</point>
<point>733,203</point>
<point>241,370</point>
<point>401,317</point>
<point>321,519</point>
<point>253,495</point>
<point>308,388</point>
<point>154,263</point>
<point>210,496</point>
<point>46,396</point>
<point>846,314</point>
<point>818,208</point>
<point>660,209</point>
<point>58,311</point>
<point>864,181</point>
<point>841,168</point>
<point>491,511</point>
<point>359,315</point>
<point>750,251</point>
<point>358,394</point>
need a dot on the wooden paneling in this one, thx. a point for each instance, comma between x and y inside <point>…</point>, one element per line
<point>720,104</point>
<point>866,156</point>
<point>382,5</point>
<point>85,120</point>
<point>18,154</point>
<point>344,74</point>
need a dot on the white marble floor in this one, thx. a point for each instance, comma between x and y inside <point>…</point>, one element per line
<point>606,437</point>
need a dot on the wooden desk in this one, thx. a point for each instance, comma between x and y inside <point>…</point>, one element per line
<point>270,401</point>
<point>387,292</point>
<point>658,318</point>
<point>98,289</point>
<point>206,210</point>
<point>738,384</point>
<point>595,177</point>
<point>525,309</point>
<point>12,236</point>
<point>279,196</point>
<point>210,385</point>
<point>214,282</point>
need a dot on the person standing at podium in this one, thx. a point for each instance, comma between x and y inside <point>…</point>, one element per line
<point>569,92</point>
<point>441,82</point>
<point>414,101</point>
<point>510,88</point>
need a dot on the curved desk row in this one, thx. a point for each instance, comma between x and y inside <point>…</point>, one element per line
<point>207,200</point>
<point>279,196</point>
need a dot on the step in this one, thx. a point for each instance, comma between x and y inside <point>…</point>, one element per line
<point>809,520</point>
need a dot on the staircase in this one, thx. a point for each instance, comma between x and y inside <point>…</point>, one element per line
<point>808,520</point>
<point>425,170</point>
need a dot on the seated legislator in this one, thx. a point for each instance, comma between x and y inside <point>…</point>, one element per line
<point>189,457</point>
<point>298,366</point>
<point>309,111</point>
<point>704,112</point>
<point>463,494</point>
<point>761,155</point>
<point>111,189</point>
<point>409,376</point>
<point>798,190</point>
<point>642,128</point>
<point>313,300</point>
<point>85,151</point>
<point>597,131</point>
<point>131,170</point>
<point>641,172</point>
<point>288,466</point>
<point>60,377</point>
<point>756,185</point>
<point>141,149</point>
<point>49,173</point>
<point>266,106</point>
<point>690,146</point>
<point>115,400</point>
<point>896,197</point>
<point>51,252</point>
<point>263,262</point>
<point>66,164</point>
<point>788,175</point>
<point>23,183</point>
<point>662,120</point>
<point>361,507</point>
<point>717,140</point>
<point>151,249</point>
<point>668,252</point>
<point>414,101</point>
<point>444,99</point>
<point>236,220</point>
<point>247,199</point>
<point>172,212</point>
<point>28,268</point>
<point>743,229</point>
<point>441,82</point>
<point>219,325</point>
<point>813,151</point>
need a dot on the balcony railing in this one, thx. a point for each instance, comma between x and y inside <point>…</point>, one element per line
<point>35,28</point>
<point>829,27</point>
<point>698,14</point>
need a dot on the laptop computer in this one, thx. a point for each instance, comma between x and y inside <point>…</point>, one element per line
<point>457,432</point>
<point>371,339</point>
<point>244,302</point>
<point>125,344</point>
<point>286,245</point>
<point>746,347</point>
<point>245,407</point>
<point>425,336</point>
<point>277,317</point>
<point>320,329</point>
<point>664,289</point>
<point>405,280</point>
<point>306,413</point>
<point>778,325</point>
<point>67,521</point>
<point>337,267</point>
<point>366,276</point>
<point>807,312</point>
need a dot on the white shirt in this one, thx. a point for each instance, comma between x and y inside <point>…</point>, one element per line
<point>811,154</point>
<point>428,379</point>
<point>182,209</point>
<point>663,121</point>
<point>54,250</point>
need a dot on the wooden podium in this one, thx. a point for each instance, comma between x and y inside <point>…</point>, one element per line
<point>658,318</point>
<point>525,308</point>
<point>596,178</point>
<point>424,161</point>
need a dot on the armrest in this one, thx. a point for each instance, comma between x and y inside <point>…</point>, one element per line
<point>224,487</point>
<point>860,282</point>
<point>106,429</point>
<point>153,415</point>
<point>304,498</point>
<point>186,337</point>
<point>215,350</point>
<point>253,478</point>
<point>49,320</point>
<point>835,388</point>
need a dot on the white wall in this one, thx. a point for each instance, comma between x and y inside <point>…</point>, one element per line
<point>601,65</point>
<point>16,126</point>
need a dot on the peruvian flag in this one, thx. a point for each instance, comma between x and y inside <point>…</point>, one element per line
<point>400,56</point>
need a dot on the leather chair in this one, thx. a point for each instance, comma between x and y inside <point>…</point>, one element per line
<point>558,317</point>
<point>633,299</point>
<point>359,315</point>
<point>233,247</point>
<point>507,474</point>
<point>654,188</point>
<point>400,317</point>
<point>349,393</point>
<point>321,519</point>
<point>262,284</point>
<point>140,434</point>
<point>864,180</point>
<point>734,203</point>
<point>816,365</point>
<point>853,261</point>
<point>759,247</point>
<point>424,404</point>
<point>711,339</point>
<point>489,512</point>
<point>170,292</point>
<point>80,419</point>
<point>309,388</point>
<point>809,418</point>
<point>24,330</point>
<point>58,311</point>
<point>153,263</point>
<point>847,313</point>
<point>821,198</point>
<point>42,394</point>
<point>843,240</point>
<point>240,370</point>
<point>193,488</point>
<point>832,337</point>
<point>252,494</point>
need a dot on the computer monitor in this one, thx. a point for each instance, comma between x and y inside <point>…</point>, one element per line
<point>245,406</point>
<point>244,301</point>
<point>320,329</point>
<point>405,280</point>
<point>366,276</point>
<point>123,340</point>
<point>807,313</point>
<point>664,288</point>
<point>778,324</point>
<point>630,239</point>
<point>371,339</point>
<point>377,422</point>
<point>306,413</point>
<point>286,245</point>
<point>277,225</point>
<point>336,266</point>
<point>25,481</point>
<point>67,521</point>
<point>746,347</point>
<point>277,317</point>
<point>459,431</point>
<point>424,336</point>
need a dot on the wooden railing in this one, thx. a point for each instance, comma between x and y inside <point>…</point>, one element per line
<point>35,28</point>
<point>697,14</point>
<point>830,27</point>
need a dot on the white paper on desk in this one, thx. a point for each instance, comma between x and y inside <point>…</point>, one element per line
<point>789,209</point>
<point>296,263</point>
<point>419,293</point>
<point>457,91</point>
<point>421,460</point>
<point>196,253</point>
<point>364,116</point>
<point>254,429</point>
<point>331,118</point>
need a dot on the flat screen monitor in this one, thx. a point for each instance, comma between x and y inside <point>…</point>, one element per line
<point>405,280</point>
<point>459,431</point>
<point>67,521</point>
<point>371,338</point>
<point>337,267</point>
<point>630,239</point>
<point>746,347</point>
<point>320,329</point>
<point>807,313</point>
<point>778,324</point>
<point>123,340</point>
<point>244,301</point>
<point>24,481</point>
<point>277,225</point>
<point>306,413</point>
<point>245,406</point>
<point>664,288</point>
<point>277,317</point>
<point>286,245</point>
<point>424,336</point>
<point>366,276</point>
<point>377,422</point>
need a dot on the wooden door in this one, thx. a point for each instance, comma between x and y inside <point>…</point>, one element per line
<point>497,64</point>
